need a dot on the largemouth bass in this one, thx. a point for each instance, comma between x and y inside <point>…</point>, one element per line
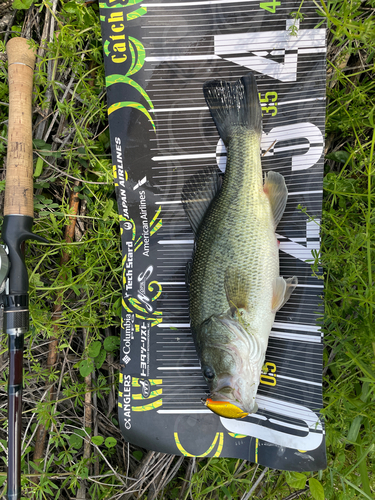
<point>234,283</point>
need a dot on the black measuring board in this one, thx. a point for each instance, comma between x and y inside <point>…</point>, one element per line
<point>158,55</point>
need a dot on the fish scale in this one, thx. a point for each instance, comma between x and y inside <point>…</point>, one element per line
<point>238,231</point>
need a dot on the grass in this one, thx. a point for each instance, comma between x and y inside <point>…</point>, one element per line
<point>75,300</point>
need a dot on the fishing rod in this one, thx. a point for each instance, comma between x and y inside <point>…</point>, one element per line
<point>17,224</point>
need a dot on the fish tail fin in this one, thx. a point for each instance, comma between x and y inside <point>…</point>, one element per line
<point>234,105</point>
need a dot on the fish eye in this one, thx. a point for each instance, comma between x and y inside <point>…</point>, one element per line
<point>208,373</point>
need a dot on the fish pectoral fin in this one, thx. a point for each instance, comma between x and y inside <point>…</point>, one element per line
<point>282,290</point>
<point>276,190</point>
<point>198,193</point>
<point>236,289</point>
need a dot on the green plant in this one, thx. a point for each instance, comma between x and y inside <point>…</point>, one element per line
<point>72,156</point>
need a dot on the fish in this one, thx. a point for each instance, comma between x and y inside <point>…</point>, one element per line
<point>234,282</point>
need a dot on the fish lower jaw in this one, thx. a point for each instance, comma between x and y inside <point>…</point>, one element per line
<point>241,391</point>
<point>248,407</point>
<point>227,397</point>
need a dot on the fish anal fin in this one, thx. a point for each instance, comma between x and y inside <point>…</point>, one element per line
<point>282,290</point>
<point>236,289</point>
<point>276,190</point>
<point>198,193</point>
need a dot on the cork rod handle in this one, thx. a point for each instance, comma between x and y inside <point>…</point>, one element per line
<point>19,175</point>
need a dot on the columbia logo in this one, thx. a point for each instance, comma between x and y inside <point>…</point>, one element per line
<point>126,359</point>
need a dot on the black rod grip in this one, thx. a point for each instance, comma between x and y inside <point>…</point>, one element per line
<point>17,229</point>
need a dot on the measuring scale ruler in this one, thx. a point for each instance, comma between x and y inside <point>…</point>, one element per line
<point>157,57</point>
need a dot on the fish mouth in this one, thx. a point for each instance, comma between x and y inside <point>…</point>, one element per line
<point>228,392</point>
<point>232,395</point>
<point>226,405</point>
<point>224,387</point>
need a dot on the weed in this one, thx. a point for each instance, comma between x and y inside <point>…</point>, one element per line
<point>72,143</point>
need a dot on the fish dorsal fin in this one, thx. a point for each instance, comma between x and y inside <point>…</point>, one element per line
<point>198,193</point>
<point>275,189</point>
<point>282,290</point>
<point>236,289</point>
